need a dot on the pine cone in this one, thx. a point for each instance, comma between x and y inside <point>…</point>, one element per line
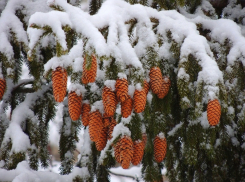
<point>106,120</point>
<point>138,152</point>
<point>59,78</point>
<point>144,139</point>
<point>102,139</point>
<point>164,88</point>
<point>121,89</point>
<point>109,101</point>
<point>139,100</point>
<point>85,114</point>
<point>74,105</point>
<point>127,107</point>
<point>126,151</point>
<point>213,112</point>
<point>155,79</point>
<point>2,87</point>
<point>146,87</point>
<point>95,125</point>
<point>89,70</point>
<point>117,152</point>
<point>160,148</point>
<point>113,123</point>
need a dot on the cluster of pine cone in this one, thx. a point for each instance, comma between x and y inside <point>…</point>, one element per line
<point>101,127</point>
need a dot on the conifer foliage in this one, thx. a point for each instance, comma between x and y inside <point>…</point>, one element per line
<point>152,87</point>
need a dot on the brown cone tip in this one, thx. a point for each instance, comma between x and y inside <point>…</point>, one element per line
<point>139,100</point>
<point>74,105</point>
<point>85,114</point>
<point>121,89</point>
<point>155,79</point>
<point>127,107</point>
<point>164,87</point>
<point>109,101</point>
<point>95,125</point>
<point>59,79</point>
<point>160,148</point>
<point>213,112</point>
<point>2,87</point>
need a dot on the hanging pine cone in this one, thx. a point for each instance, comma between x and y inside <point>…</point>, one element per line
<point>113,123</point>
<point>146,87</point>
<point>109,101</point>
<point>2,87</point>
<point>74,105</point>
<point>106,120</point>
<point>160,148</point>
<point>117,152</point>
<point>121,89</point>
<point>126,151</point>
<point>138,152</point>
<point>127,107</point>
<point>144,139</point>
<point>155,79</point>
<point>213,112</point>
<point>89,69</point>
<point>139,100</point>
<point>95,125</point>
<point>59,79</point>
<point>102,139</point>
<point>85,114</point>
<point>164,88</point>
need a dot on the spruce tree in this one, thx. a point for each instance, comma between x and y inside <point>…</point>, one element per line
<point>159,82</point>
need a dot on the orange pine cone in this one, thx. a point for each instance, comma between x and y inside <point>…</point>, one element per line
<point>89,69</point>
<point>139,100</point>
<point>95,125</point>
<point>113,123</point>
<point>138,152</point>
<point>213,112</point>
<point>160,148</point>
<point>126,151</point>
<point>144,139</point>
<point>102,139</point>
<point>85,114</point>
<point>155,79</point>
<point>59,79</point>
<point>2,87</point>
<point>121,89</point>
<point>146,87</point>
<point>109,101</point>
<point>164,88</point>
<point>106,120</point>
<point>74,105</point>
<point>117,152</point>
<point>127,107</point>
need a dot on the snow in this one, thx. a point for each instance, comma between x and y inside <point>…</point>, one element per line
<point>175,129</point>
<point>110,84</point>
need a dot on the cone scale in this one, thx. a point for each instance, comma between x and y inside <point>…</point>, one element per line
<point>109,101</point>
<point>121,89</point>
